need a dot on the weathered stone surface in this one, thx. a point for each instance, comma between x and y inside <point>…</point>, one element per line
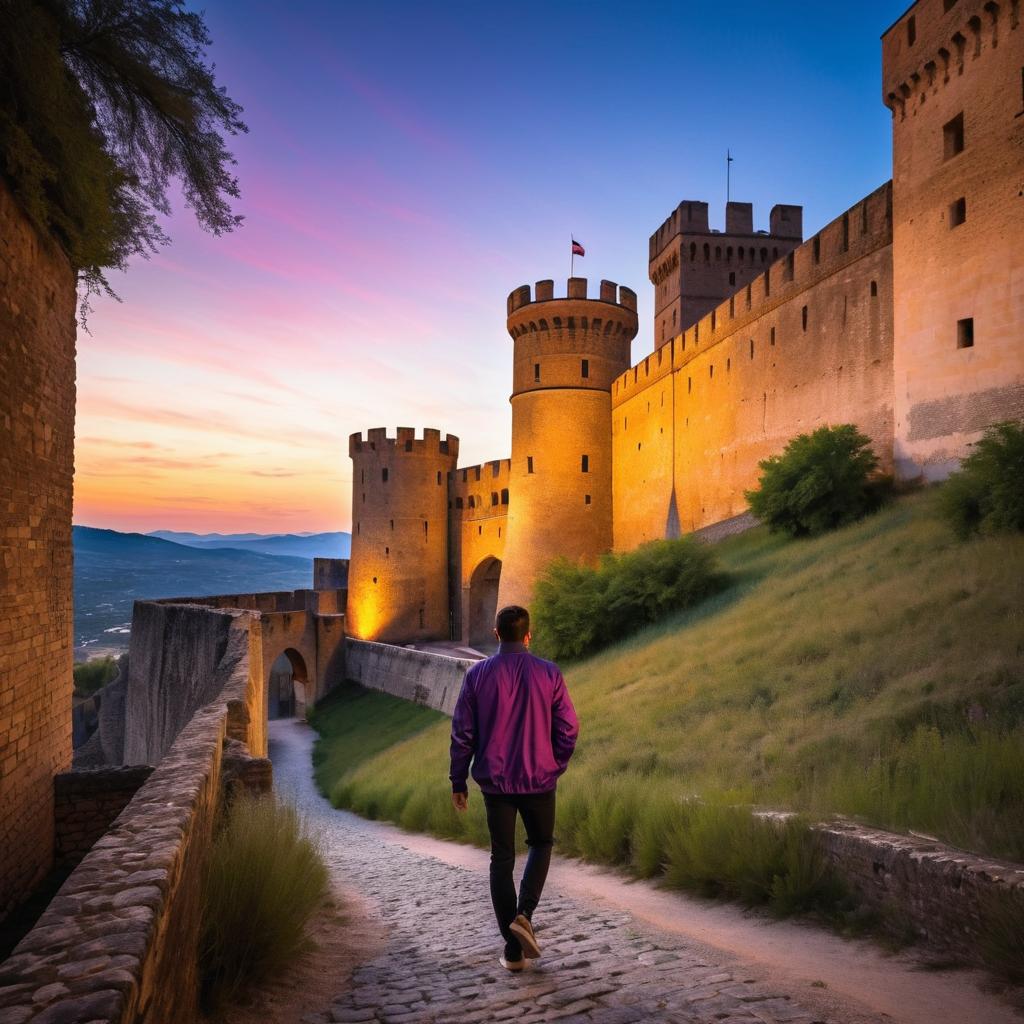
<point>37,423</point>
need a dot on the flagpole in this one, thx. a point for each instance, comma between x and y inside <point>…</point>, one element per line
<point>572,255</point>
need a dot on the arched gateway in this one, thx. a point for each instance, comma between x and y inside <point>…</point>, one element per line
<point>483,601</point>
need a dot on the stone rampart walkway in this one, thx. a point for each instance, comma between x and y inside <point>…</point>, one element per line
<point>440,962</point>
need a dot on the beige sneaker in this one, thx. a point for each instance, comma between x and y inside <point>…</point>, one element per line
<point>513,965</point>
<point>523,931</point>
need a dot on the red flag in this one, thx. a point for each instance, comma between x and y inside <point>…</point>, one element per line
<point>577,249</point>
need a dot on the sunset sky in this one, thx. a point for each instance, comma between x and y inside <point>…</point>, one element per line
<point>407,165</point>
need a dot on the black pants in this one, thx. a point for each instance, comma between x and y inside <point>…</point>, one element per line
<point>538,814</point>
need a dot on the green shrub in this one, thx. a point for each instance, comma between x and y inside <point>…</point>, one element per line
<point>93,675</point>
<point>578,610</point>
<point>265,878</point>
<point>820,481</point>
<point>987,495</point>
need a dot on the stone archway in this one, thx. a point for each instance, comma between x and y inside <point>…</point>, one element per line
<point>287,686</point>
<point>483,601</point>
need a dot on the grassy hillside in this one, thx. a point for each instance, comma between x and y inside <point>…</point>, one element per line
<point>877,671</point>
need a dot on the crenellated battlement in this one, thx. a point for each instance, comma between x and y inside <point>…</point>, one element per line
<point>576,289</point>
<point>482,491</point>
<point>864,228</point>
<point>405,440</point>
<point>690,217</point>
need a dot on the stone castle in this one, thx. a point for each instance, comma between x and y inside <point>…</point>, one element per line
<point>904,315</point>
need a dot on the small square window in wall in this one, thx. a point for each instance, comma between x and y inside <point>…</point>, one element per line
<point>585,464</point>
<point>803,318</point>
<point>585,368</point>
<point>957,212</point>
<point>536,372</point>
<point>529,463</point>
<point>439,478</point>
<point>586,499</point>
<point>965,333</point>
<point>384,474</point>
<point>911,30</point>
<point>953,136</point>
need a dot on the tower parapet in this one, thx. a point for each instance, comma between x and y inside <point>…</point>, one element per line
<point>567,352</point>
<point>694,267</point>
<point>398,575</point>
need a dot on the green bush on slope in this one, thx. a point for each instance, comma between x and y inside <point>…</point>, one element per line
<point>987,495</point>
<point>577,609</point>
<point>820,481</point>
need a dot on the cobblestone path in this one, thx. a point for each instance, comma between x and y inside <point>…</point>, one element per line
<point>440,963</point>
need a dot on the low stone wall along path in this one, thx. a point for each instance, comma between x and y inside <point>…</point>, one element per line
<point>440,963</point>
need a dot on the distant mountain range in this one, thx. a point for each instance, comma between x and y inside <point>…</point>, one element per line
<point>113,569</point>
<point>302,545</point>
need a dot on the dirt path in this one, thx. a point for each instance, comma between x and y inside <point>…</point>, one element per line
<point>615,951</point>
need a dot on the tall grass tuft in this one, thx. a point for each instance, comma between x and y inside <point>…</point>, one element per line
<point>265,877</point>
<point>1002,936</point>
<point>723,850</point>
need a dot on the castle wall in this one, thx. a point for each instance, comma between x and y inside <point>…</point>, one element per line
<point>398,571</point>
<point>422,677</point>
<point>967,61</point>
<point>37,423</point>
<point>692,420</point>
<point>480,530</point>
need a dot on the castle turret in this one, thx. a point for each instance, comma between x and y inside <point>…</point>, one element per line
<point>567,353</point>
<point>398,573</point>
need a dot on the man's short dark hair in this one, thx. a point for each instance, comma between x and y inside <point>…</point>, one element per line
<point>512,624</point>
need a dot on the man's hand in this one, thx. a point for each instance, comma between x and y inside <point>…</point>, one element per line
<point>460,801</point>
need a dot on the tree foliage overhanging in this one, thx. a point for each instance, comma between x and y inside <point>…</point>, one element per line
<point>102,104</point>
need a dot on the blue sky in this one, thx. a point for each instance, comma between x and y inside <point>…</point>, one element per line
<point>406,167</point>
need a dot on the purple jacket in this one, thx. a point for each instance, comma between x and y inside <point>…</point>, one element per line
<point>515,721</point>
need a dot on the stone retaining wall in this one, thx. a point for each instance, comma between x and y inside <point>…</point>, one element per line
<point>86,803</point>
<point>433,680</point>
<point>941,892</point>
<point>118,944</point>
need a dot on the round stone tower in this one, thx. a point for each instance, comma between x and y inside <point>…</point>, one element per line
<point>568,351</point>
<point>398,575</point>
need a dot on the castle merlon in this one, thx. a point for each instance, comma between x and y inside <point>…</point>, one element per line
<point>405,440</point>
<point>690,217</point>
<point>576,289</point>
<point>864,228</point>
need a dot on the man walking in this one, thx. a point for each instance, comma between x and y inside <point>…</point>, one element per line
<point>514,720</point>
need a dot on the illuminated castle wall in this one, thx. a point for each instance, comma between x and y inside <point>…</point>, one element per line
<point>905,316</point>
